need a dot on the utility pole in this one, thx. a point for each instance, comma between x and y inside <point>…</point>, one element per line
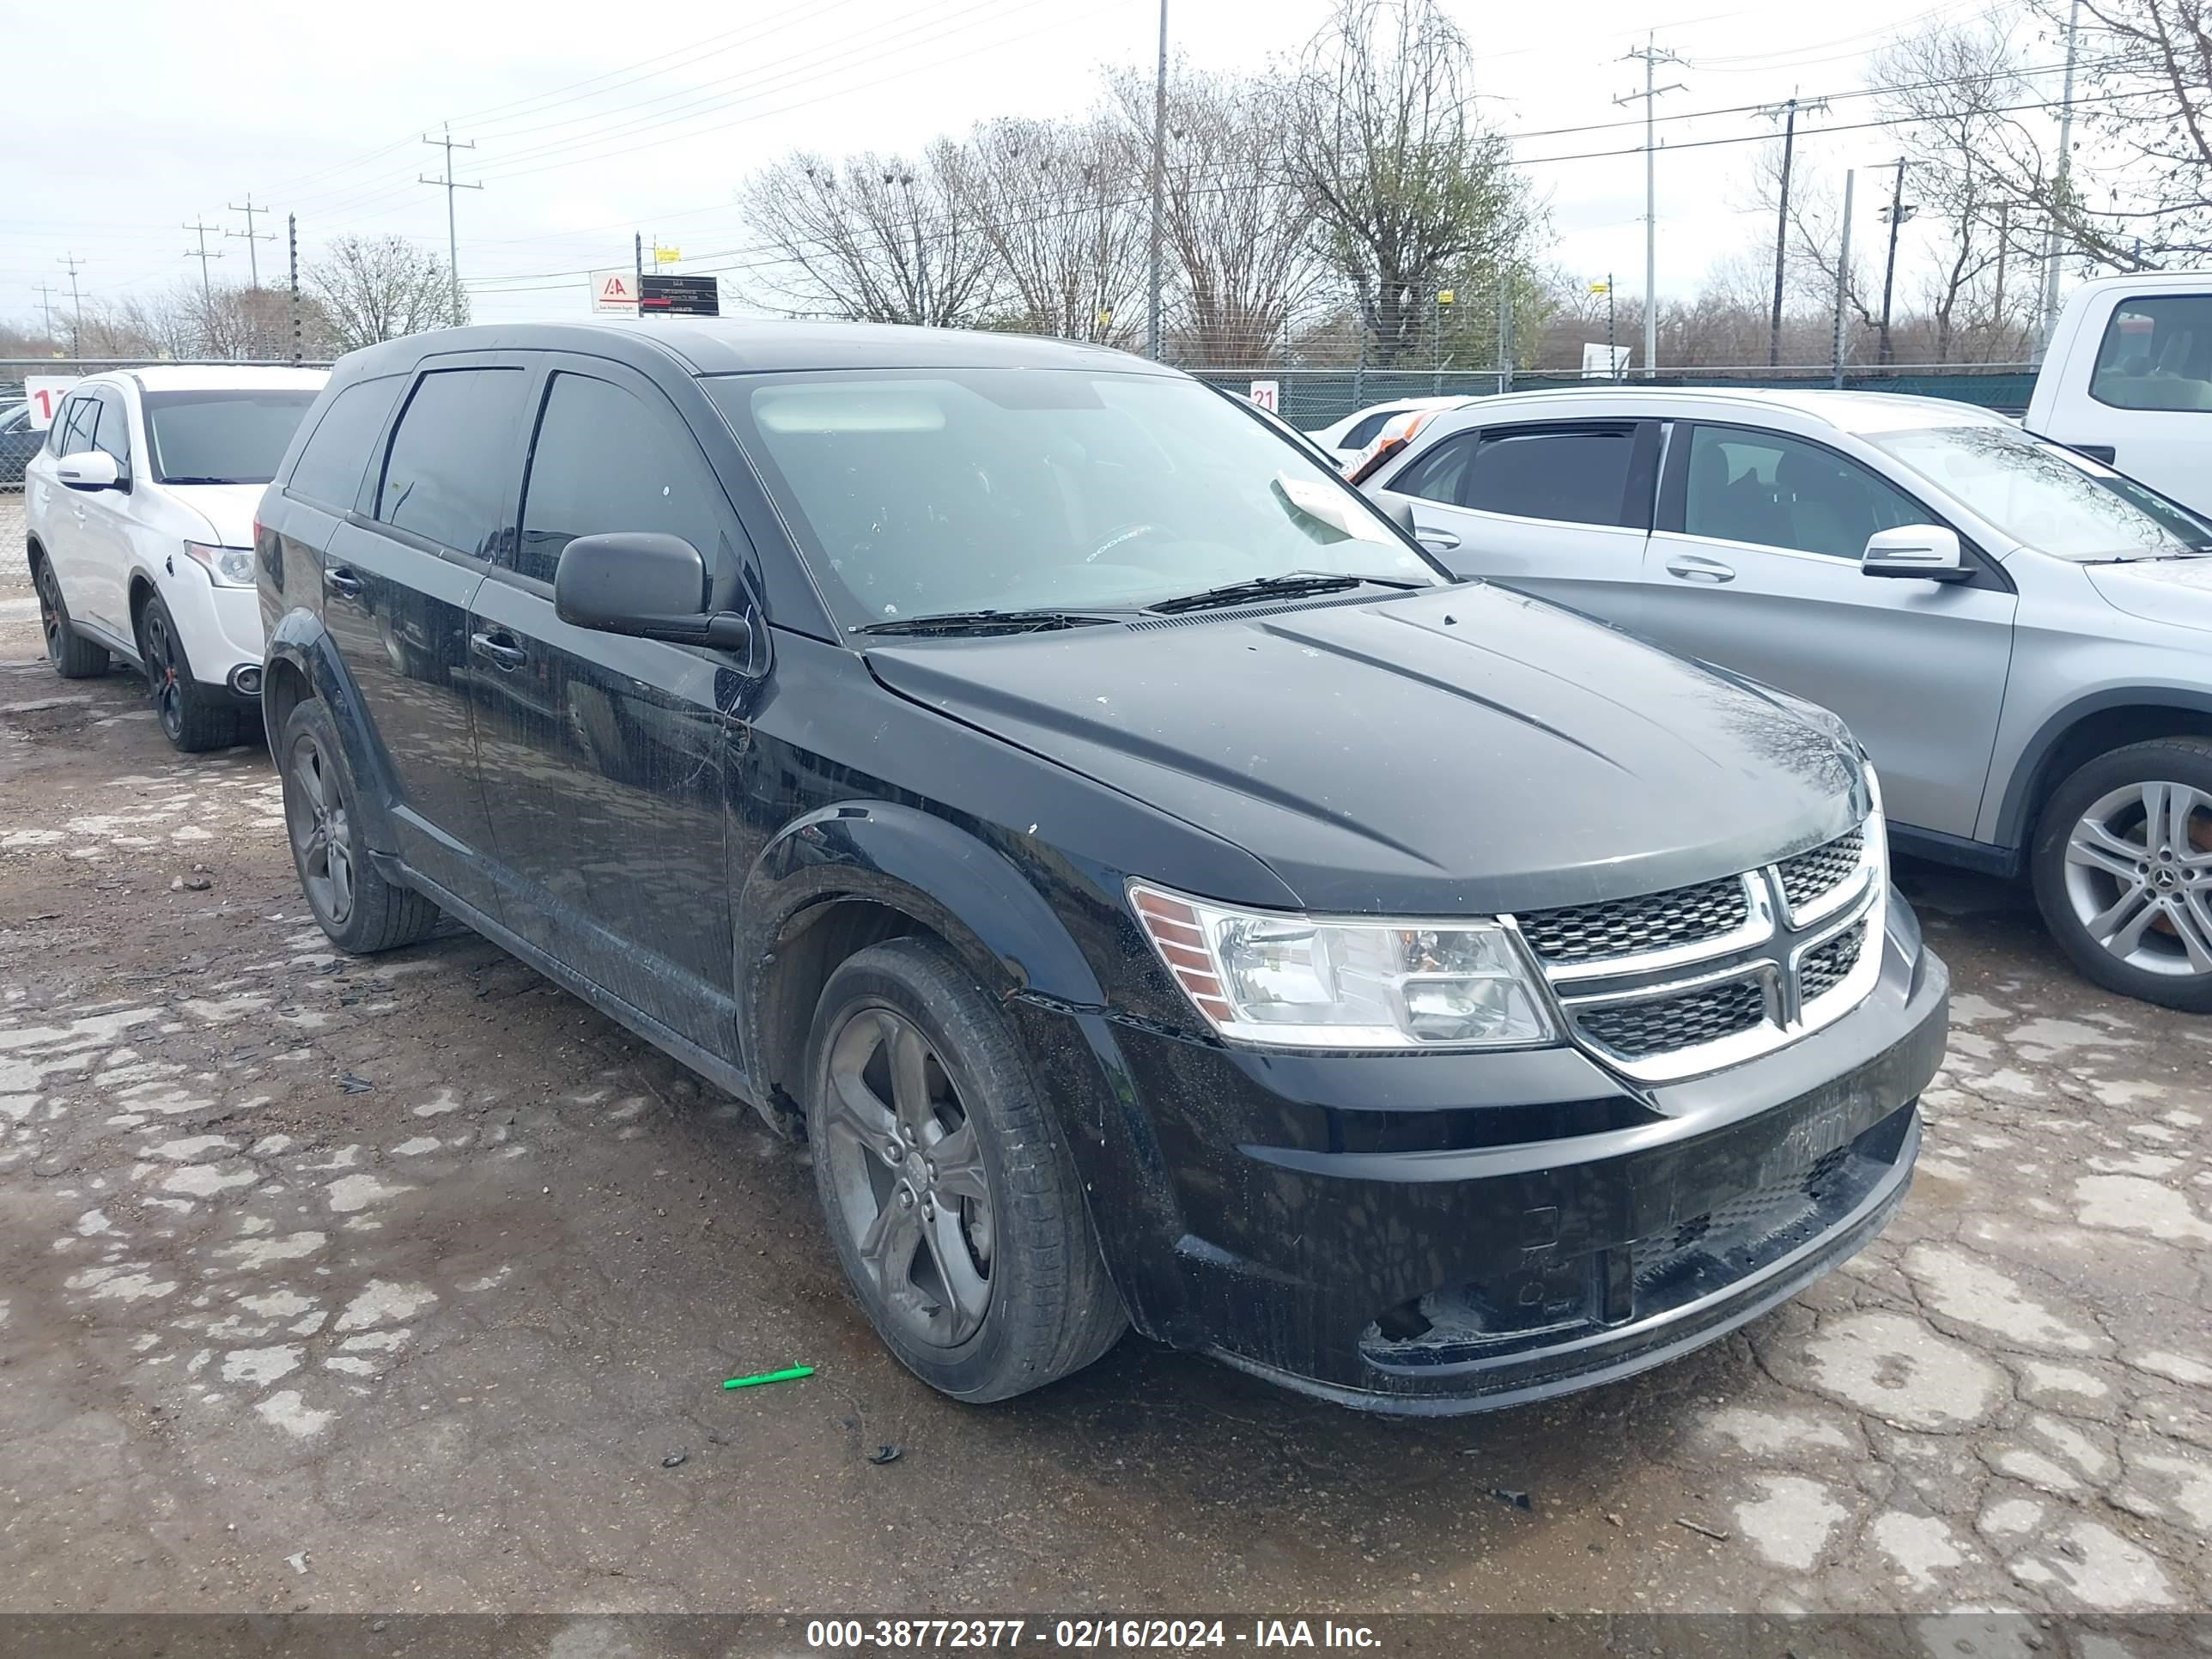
<point>2061,188</point>
<point>76,303</point>
<point>2004,247</point>
<point>47,305</point>
<point>292,259</point>
<point>449,144</point>
<point>914,219</point>
<point>1843,272</point>
<point>637,248</point>
<point>1159,185</point>
<point>1652,57</point>
<point>1788,112</point>
<point>1897,213</point>
<point>253,257</point>
<point>207,293</point>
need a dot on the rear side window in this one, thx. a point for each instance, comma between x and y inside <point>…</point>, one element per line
<point>1437,475</point>
<point>447,478</point>
<point>337,453</point>
<point>2156,353</point>
<point>1572,477</point>
<point>604,461</point>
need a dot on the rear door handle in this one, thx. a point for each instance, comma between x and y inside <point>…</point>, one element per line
<point>505,657</point>
<point>342,582</point>
<point>1692,568</point>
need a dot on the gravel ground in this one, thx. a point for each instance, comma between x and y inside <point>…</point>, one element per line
<point>408,1283</point>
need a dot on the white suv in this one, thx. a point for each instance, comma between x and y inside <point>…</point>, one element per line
<point>140,509</point>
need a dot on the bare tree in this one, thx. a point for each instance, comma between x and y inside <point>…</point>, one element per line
<point>2141,190</point>
<point>1237,227</point>
<point>380,287</point>
<point>876,237</point>
<point>1052,204</point>
<point>1955,87</point>
<point>1411,191</point>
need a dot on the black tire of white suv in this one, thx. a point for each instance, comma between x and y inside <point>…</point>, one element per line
<point>193,718</point>
<point>74,657</point>
<point>2123,869</point>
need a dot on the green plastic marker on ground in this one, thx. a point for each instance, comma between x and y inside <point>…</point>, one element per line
<point>789,1374</point>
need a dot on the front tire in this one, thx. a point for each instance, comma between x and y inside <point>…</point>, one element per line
<point>74,657</point>
<point>951,1196</point>
<point>361,911</point>
<point>193,718</point>
<point>2123,869</point>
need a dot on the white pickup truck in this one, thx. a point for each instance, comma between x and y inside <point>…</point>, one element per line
<point>2128,380</point>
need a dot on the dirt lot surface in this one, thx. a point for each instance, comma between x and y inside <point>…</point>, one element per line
<point>408,1283</point>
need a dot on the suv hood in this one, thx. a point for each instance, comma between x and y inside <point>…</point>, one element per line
<point>1463,751</point>
<point>228,508</point>
<point>2159,590</point>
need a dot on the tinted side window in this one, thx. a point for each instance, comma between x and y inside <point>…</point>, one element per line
<point>337,453</point>
<point>73,426</point>
<point>113,436</point>
<point>2156,353</point>
<point>1436,476</point>
<point>604,460</point>
<point>1762,488</point>
<point>447,477</point>
<point>1569,477</point>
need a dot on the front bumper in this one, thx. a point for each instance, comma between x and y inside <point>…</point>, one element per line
<point>1448,1233</point>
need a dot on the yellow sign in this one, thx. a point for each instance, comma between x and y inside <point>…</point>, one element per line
<point>666,255</point>
<point>1600,287</point>
<point>1444,297</point>
<point>1106,316</point>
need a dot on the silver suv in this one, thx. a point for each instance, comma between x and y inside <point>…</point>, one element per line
<point>2021,637</point>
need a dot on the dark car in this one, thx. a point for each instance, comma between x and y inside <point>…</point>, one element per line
<point>19,441</point>
<point>1159,894</point>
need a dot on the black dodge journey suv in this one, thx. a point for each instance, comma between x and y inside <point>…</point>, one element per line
<point>1158,893</point>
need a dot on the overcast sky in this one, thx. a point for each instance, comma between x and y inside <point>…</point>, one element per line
<point>594,119</point>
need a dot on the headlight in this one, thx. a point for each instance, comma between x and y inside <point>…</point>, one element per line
<point>1312,983</point>
<point>231,567</point>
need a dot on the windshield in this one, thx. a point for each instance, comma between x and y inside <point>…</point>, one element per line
<point>223,436</point>
<point>2046,496</point>
<point>921,492</point>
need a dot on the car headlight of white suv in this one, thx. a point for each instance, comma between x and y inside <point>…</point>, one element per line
<point>228,567</point>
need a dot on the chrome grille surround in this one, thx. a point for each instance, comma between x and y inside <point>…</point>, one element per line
<point>1809,963</point>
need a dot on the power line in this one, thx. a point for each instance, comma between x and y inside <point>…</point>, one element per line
<point>449,144</point>
<point>1652,55</point>
<point>207,293</point>
<point>252,256</point>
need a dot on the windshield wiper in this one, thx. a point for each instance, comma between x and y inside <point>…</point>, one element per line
<point>983,621</point>
<point>1296,585</point>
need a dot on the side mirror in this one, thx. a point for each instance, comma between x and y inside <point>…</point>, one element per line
<point>90,470</point>
<point>1923,552</point>
<point>648,586</point>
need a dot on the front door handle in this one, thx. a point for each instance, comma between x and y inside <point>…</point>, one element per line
<point>2104,453</point>
<point>1435,540</point>
<point>1693,568</point>
<point>504,656</point>
<point>343,582</point>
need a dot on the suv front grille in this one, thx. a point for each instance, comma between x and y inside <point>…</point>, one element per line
<point>1825,969</point>
<point>1812,876</point>
<point>1655,921</point>
<point>1638,1030</point>
<point>1665,986</point>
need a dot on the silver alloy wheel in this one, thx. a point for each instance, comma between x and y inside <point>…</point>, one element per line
<point>315,815</point>
<point>908,1175</point>
<point>2139,876</point>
